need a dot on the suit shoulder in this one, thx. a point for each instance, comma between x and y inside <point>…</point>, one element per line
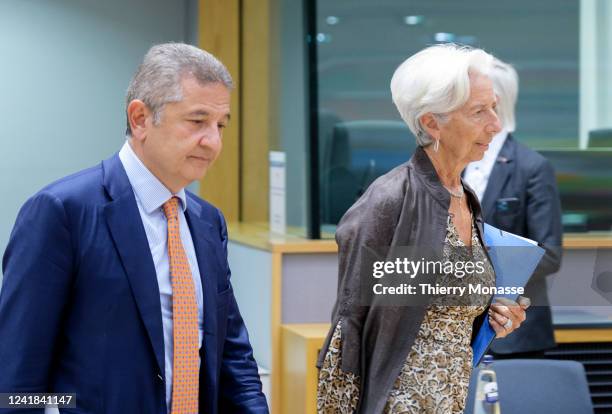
<point>530,157</point>
<point>78,184</point>
<point>66,196</point>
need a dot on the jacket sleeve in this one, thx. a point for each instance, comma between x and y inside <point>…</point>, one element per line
<point>38,272</point>
<point>366,229</point>
<point>543,209</point>
<point>240,389</point>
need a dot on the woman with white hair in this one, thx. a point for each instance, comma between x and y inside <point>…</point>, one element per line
<point>416,359</point>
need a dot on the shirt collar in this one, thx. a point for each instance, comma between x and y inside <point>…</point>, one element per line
<point>496,144</point>
<point>151,193</point>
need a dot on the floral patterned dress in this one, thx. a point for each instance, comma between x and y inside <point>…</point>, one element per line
<point>436,374</point>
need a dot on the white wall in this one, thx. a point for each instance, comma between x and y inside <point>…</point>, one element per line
<point>252,282</point>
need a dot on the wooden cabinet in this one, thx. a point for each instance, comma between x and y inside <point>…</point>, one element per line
<point>300,346</point>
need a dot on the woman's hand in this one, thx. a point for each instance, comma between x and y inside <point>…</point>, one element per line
<point>506,315</point>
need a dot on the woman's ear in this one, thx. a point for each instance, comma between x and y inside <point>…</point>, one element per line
<point>431,125</point>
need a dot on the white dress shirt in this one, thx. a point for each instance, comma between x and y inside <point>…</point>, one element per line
<point>477,173</point>
<point>151,194</point>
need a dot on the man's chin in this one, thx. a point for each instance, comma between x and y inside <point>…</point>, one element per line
<point>199,174</point>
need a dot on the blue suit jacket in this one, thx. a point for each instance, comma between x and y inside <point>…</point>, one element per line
<point>522,197</point>
<point>80,308</point>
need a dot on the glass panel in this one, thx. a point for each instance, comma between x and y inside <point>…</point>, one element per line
<point>361,136</point>
<point>290,96</point>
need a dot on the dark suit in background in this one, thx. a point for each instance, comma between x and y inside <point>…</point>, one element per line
<point>522,197</point>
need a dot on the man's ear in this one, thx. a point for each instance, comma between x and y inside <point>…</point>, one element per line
<point>138,114</point>
<point>431,125</point>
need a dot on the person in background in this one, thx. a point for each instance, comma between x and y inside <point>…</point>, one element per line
<point>518,193</point>
<point>417,359</point>
<point>116,280</point>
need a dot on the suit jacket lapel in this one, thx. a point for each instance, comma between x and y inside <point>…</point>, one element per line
<point>130,239</point>
<point>500,175</point>
<point>201,229</point>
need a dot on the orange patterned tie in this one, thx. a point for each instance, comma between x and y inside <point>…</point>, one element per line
<point>185,377</point>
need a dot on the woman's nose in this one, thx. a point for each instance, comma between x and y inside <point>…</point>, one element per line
<point>494,125</point>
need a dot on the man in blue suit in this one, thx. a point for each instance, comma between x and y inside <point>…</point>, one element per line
<point>116,280</point>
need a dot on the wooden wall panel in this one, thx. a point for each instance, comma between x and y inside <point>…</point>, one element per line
<point>242,33</point>
<point>219,34</point>
<point>257,117</point>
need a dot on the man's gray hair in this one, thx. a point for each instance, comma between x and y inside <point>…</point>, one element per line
<point>506,86</point>
<point>158,78</point>
<point>436,80</point>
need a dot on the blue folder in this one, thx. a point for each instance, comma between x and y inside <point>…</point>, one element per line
<point>514,259</point>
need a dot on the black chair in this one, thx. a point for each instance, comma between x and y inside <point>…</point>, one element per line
<point>358,153</point>
<point>538,386</point>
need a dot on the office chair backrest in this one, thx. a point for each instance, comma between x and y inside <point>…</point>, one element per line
<point>357,153</point>
<point>538,386</point>
<point>356,143</point>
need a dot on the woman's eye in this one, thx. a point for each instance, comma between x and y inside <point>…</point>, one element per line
<point>221,126</point>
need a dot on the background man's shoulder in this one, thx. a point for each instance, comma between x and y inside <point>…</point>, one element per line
<point>530,157</point>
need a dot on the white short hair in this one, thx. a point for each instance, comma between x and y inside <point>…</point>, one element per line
<point>505,84</point>
<point>435,80</point>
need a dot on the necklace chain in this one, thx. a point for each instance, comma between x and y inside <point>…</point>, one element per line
<point>456,193</point>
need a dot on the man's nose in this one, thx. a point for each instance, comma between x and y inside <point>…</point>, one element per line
<point>210,136</point>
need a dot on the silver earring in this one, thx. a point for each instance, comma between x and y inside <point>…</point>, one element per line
<point>437,145</point>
